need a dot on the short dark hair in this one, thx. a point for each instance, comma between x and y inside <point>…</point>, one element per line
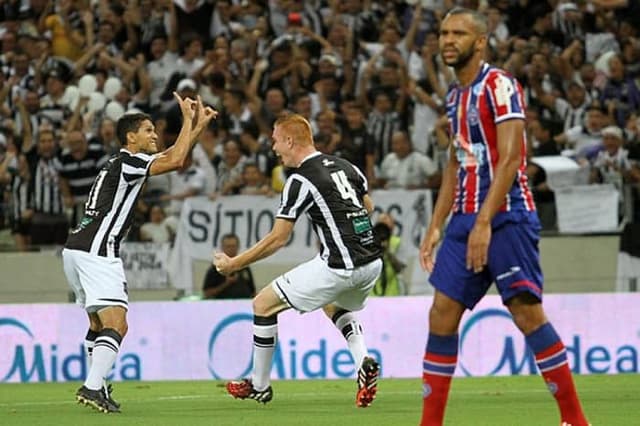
<point>230,236</point>
<point>129,123</point>
<point>478,18</point>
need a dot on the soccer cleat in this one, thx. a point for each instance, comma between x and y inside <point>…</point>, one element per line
<point>107,391</point>
<point>95,399</point>
<point>244,389</point>
<point>367,382</point>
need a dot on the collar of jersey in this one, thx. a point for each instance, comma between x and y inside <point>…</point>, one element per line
<point>313,154</point>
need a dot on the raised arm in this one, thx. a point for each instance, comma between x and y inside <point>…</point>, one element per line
<point>174,157</point>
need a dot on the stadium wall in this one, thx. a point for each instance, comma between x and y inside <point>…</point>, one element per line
<point>212,340</point>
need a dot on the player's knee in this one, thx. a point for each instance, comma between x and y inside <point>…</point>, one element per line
<point>527,314</point>
<point>442,321</point>
<point>260,308</point>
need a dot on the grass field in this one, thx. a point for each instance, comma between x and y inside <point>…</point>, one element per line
<point>511,401</point>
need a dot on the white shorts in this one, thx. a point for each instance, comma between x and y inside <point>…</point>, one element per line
<point>314,284</point>
<point>96,281</point>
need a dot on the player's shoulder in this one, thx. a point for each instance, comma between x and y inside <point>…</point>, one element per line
<point>138,159</point>
<point>495,75</point>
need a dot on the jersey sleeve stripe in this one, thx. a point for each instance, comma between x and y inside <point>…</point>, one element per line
<point>365,184</point>
<point>293,199</point>
<point>511,116</point>
<point>135,161</point>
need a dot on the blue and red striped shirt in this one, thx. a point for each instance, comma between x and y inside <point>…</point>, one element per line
<point>474,113</point>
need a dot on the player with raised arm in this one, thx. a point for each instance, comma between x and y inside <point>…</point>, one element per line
<point>91,259</point>
<point>493,232</point>
<point>333,194</point>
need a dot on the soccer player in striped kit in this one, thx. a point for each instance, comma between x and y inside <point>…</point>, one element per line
<point>91,258</point>
<point>493,232</point>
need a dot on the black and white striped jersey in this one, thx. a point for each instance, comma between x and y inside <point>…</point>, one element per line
<point>330,191</point>
<point>109,208</point>
<point>80,174</point>
<point>44,185</point>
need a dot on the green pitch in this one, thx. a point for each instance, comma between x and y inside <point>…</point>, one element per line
<point>511,401</point>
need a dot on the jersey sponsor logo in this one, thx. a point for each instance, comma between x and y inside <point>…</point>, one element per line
<point>473,116</point>
<point>469,154</point>
<point>513,270</point>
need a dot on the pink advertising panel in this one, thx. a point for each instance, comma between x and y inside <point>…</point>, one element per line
<point>205,340</point>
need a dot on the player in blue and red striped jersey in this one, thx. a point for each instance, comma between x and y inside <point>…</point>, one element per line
<point>493,232</point>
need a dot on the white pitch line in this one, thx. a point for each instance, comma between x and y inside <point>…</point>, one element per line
<point>293,395</point>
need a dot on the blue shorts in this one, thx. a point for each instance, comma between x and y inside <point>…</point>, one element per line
<point>513,260</point>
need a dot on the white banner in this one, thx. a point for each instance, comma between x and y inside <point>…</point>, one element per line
<point>562,171</point>
<point>145,264</point>
<point>213,340</point>
<point>587,208</point>
<point>203,223</point>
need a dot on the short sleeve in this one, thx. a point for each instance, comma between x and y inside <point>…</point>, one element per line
<point>136,167</point>
<point>295,199</point>
<point>506,97</point>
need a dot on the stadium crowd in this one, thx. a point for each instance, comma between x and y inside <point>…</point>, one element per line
<point>366,73</point>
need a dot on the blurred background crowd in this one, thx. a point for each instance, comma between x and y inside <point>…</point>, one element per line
<point>366,73</point>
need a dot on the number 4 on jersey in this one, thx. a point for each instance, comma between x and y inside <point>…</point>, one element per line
<point>344,187</point>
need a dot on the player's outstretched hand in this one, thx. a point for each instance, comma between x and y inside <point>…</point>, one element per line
<point>204,115</point>
<point>427,249</point>
<point>222,262</point>
<point>187,106</point>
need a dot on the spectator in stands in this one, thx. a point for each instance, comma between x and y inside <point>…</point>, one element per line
<point>163,63</point>
<point>191,59</point>
<point>406,168</point>
<point>238,285</point>
<point>257,148</point>
<point>571,110</point>
<point>186,87</point>
<point>54,106</point>
<point>15,177</point>
<point>621,95</point>
<point>541,137</point>
<point>253,181</point>
<point>78,166</point>
<point>333,45</point>
<point>328,131</point>
<point>356,143</point>
<point>185,182</point>
<point>229,170</point>
<point>390,281</point>
<point>236,114</point>
<point>49,224</point>
<point>106,137</point>
<point>612,165</point>
<point>156,229</point>
<point>382,123</point>
<point>586,140</point>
